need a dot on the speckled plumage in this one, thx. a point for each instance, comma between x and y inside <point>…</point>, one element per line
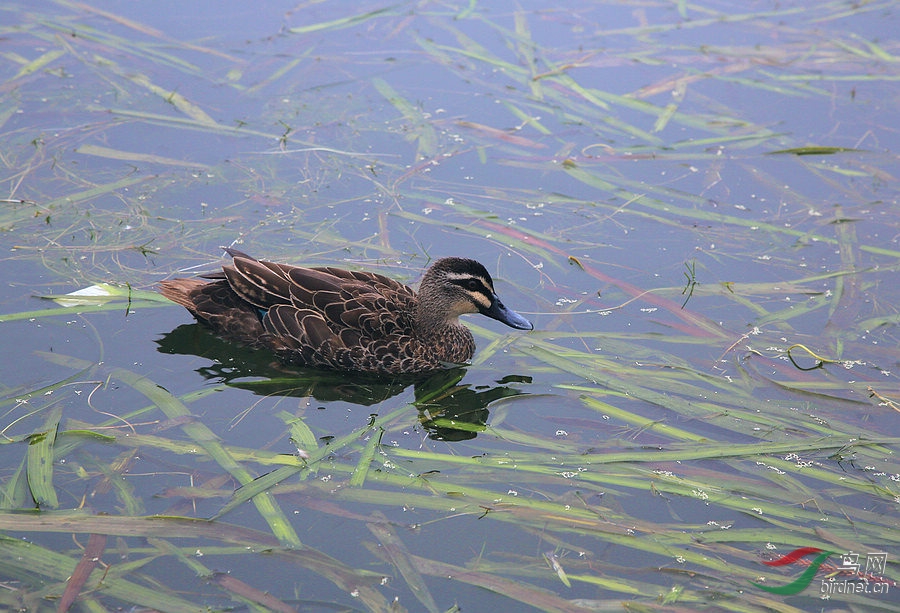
<point>346,320</point>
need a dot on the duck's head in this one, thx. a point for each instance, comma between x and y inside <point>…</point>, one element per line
<point>455,286</point>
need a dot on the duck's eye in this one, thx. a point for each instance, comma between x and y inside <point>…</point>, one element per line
<point>472,285</point>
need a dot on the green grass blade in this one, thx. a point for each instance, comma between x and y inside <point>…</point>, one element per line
<point>399,556</point>
<point>813,150</point>
<point>341,22</point>
<point>301,435</point>
<point>39,63</point>
<point>40,461</point>
<point>132,156</point>
<point>358,477</point>
<point>70,310</point>
<point>15,492</point>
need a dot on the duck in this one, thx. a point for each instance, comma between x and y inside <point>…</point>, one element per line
<point>346,320</point>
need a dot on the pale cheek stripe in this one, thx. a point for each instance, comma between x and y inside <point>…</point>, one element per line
<point>480,299</point>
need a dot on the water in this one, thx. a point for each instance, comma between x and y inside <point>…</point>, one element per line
<point>615,166</point>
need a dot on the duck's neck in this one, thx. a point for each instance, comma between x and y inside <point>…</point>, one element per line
<point>446,339</point>
<point>431,325</point>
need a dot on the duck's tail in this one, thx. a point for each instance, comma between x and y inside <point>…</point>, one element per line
<point>180,291</point>
<point>216,305</point>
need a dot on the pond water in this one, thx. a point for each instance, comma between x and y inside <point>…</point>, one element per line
<point>696,204</point>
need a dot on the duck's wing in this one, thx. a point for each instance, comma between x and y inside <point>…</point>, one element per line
<point>324,315</point>
<point>262,284</point>
<point>266,284</point>
<point>374,344</point>
<point>383,285</point>
<point>353,304</point>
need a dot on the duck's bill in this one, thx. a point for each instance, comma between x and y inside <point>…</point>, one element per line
<point>508,316</point>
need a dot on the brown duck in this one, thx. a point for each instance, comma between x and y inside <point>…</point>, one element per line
<point>346,320</point>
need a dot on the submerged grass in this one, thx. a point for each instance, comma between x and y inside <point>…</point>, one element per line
<point>557,496</point>
<point>653,464</point>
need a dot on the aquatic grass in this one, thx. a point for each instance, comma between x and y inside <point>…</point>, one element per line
<point>174,409</point>
<point>399,556</point>
<point>83,42</point>
<point>615,184</point>
<point>521,461</point>
<point>682,456</point>
<point>95,299</point>
<point>599,98</point>
<point>553,516</point>
<point>186,123</point>
<point>144,29</point>
<point>420,130</point>
<point>717,18</point>
<point>35,561</point>
<point>641,535</point>
<point>527,595</point>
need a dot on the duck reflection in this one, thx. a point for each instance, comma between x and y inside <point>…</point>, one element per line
<point>448,409</point>
<point>454,412</point>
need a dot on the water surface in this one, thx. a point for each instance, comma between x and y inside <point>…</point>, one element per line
<point>695,204</point>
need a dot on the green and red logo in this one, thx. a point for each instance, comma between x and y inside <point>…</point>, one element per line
<point>847,578</point>
<point>803,581</point>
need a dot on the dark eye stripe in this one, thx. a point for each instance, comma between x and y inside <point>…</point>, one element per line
<point>463,281</point>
